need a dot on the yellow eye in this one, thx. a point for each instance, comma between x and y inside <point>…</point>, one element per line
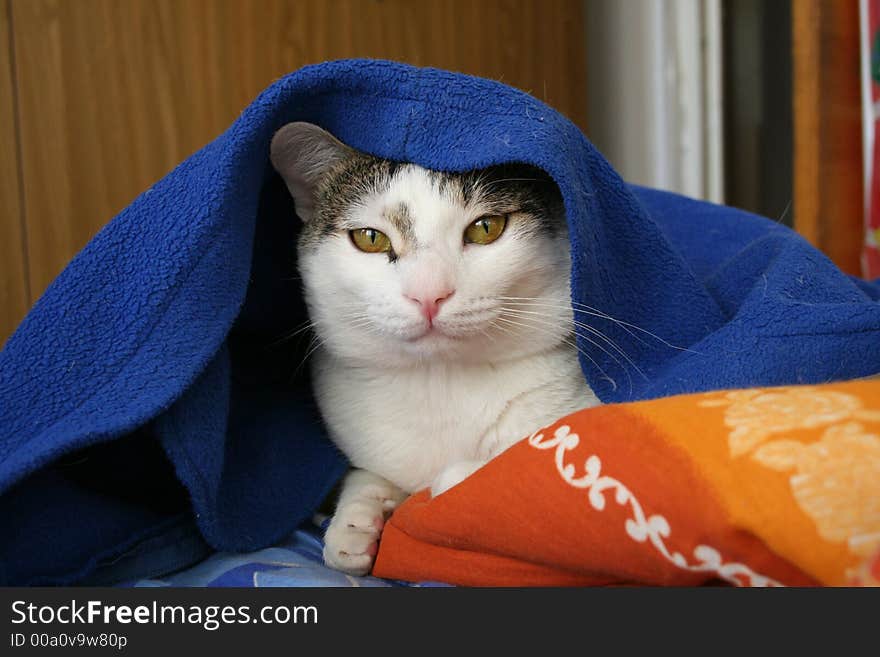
<point>485,229</point>
<point>370,240</point>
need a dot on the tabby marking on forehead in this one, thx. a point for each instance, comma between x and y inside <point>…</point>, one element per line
<point>501,189</point>
<point>400,217</point>
<point>346,185</point>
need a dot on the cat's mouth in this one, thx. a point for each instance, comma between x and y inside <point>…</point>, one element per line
<point>431,332</point>
<point>454,328</point>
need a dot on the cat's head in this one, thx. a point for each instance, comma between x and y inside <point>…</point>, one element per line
<point>402,265</point>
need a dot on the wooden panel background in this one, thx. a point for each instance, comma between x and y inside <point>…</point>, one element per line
<point>14,296</point>
<point>111,94</point>
<point>828,187</point>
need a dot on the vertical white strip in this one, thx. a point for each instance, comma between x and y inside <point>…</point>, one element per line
<point>655,92</point>
<point>869,113</point>
<point>713,108</point>
<point>686,30</point>
<point>629,90</point>
<point>662,77</point>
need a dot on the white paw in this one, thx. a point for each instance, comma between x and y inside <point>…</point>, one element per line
<point>352,539</point>
<point>452,475</point>
<point>387,495</point>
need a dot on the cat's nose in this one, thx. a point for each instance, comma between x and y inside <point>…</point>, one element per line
<point>429,301</point>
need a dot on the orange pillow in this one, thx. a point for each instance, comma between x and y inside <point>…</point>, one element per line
<point>750,487</point>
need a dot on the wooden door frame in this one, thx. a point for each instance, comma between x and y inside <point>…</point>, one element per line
<point>827,106</point>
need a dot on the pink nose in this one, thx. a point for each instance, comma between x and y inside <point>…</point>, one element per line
<point>429,301</point>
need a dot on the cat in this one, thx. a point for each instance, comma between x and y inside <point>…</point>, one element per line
<point>441,306</point>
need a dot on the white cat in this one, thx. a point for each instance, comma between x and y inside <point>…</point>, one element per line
<point>442,306</point>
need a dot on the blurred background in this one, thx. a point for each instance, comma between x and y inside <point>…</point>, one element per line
<point>749,103</point>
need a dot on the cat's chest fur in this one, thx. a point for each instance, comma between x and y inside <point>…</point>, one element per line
<point>408,424</point>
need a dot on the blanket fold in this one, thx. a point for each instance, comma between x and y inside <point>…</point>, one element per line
<point>162,336</point>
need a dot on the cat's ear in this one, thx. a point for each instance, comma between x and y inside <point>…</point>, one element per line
<point>303,154</point>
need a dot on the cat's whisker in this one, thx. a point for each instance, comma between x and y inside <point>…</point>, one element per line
<point>542,330</point>
<point>352,316</point>
<point>368,325</point>
<point>508,331</point>
<point>569,343</point>
<point>301,328</point>
<point>590,310</point>
<point>616,360</point>
<point>594,331</point>
<point>357,314</point>
<point>359,320</point>
<point>573,306</point>
<point>503,329</point>
<point>318,343</point>
<point>562,326</point>
<point>542,317</point>
<point>505,180</point>
<point>577,348</point>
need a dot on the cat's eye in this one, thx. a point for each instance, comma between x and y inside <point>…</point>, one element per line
<point>370,240</point>
<point>485,229</point>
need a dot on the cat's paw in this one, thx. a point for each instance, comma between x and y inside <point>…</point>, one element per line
<point>386,494</point>
<point>452,475</point>
<point>352,539</point>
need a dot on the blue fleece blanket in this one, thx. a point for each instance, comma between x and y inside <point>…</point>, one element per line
<point>148,386</point>
<point>297,561</point>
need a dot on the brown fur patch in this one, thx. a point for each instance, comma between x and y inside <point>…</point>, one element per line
<point>504,189</point>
